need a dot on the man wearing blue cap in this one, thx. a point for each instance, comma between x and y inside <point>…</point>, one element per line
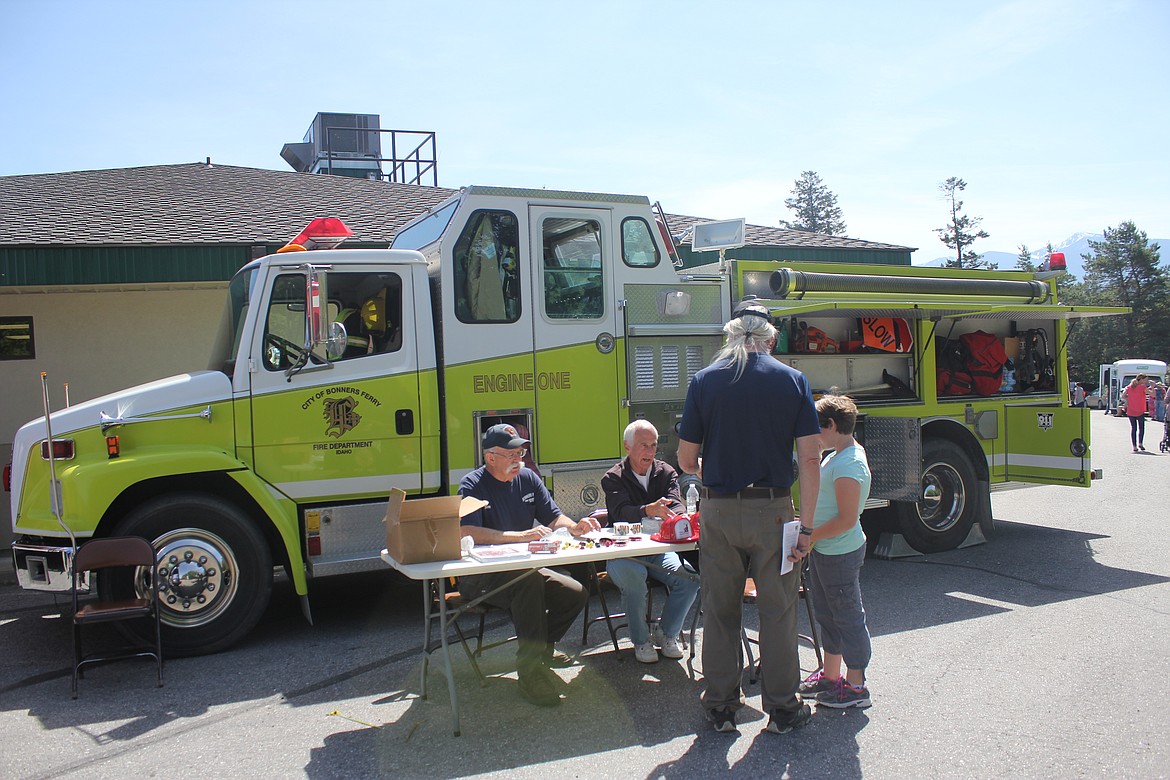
<point>545,603</point>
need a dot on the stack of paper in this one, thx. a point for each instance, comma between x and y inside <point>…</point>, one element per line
<point>500,552</point>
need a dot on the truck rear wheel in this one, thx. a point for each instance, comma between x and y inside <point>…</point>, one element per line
<point>214,569</point>
<point>947,503</point>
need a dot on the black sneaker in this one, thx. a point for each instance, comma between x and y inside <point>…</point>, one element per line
<point>537,688</point>
<point>844,695</point>
<point>724,719</point>
<point>782,721</point>
<point>558,660</point>
<point>816,683</point>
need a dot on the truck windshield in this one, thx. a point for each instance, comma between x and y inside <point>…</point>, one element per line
<point>427,231</point>
<point>231,324</point>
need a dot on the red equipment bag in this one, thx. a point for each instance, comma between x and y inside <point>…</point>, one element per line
<point>985,359</point>
<point>955,382</point>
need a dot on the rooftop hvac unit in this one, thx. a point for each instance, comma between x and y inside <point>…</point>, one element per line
<point>335,141</point>
<point>346,134</point>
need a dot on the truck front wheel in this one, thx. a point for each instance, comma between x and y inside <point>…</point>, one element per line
<point>947,503</point>
<point>214,569</point>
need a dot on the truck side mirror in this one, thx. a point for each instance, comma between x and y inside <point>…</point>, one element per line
<point>336,343</point>
<point>317,330</point>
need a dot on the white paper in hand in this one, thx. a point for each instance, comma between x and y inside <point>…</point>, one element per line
<point>791,534</point>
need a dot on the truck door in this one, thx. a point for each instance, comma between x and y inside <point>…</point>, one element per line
<point>1047,445</point>
<point>350,430</point>
<point>574,330</point>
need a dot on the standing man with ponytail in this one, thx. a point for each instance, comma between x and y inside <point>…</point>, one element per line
<point>744,414</point>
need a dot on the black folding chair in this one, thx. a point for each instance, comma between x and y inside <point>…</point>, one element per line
<point>459,606</point>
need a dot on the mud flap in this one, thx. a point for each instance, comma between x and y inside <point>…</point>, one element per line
<point>984,519</point>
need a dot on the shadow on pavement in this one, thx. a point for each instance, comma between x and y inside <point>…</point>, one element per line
<point>364,647</point>
<point>1023,565</point>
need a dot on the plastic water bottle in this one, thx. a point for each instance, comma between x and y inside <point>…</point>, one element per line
<point>692,499</point>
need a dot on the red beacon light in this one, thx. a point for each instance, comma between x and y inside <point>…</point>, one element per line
<point>321,233</point>
<point>1055,262</point>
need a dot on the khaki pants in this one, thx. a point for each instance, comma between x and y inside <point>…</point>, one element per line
<point>742,536</point>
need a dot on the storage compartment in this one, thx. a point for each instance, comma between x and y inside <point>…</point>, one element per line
<point>862,377</point>
<point>1028,345</point>
<point>832,352</point>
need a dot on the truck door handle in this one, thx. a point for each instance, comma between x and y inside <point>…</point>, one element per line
<point>404,422</point>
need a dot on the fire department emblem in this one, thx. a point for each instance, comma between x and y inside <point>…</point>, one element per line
<point>340,415</point>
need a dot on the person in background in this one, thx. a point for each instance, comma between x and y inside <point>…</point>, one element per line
<point>1159,402</point>
<point>1078,396</point>
<point>745,413</point>
<point>1135,409</point>
<point>542,605</point>
<point>838,553</point>
<point>639,488</point>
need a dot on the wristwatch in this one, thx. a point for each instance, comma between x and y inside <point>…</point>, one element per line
<point>805,531</point>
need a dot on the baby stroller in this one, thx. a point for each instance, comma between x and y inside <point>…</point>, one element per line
<point>1164,445</point>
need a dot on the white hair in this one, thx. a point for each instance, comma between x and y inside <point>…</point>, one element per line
<point>744,335</point>
<point>634,427</point>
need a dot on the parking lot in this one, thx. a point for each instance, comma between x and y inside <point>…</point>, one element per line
<point>1041,654</point>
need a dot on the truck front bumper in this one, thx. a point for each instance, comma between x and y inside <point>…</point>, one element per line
<point>45,567</point>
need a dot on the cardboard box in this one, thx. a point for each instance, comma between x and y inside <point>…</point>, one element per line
<point>1011,345</point>
<point>426,529</point>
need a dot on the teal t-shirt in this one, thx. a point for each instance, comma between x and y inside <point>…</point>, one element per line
<point>849,463</point>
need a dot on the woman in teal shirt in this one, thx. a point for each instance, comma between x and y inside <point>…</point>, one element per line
<point>838,552</point>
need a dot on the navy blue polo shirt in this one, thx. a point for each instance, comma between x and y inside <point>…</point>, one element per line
<point>746,429</point>
<point>512,506</point>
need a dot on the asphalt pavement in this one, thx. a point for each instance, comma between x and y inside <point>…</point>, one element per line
<point>1040,654</point>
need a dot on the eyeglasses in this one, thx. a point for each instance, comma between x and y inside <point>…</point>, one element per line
<point>509,454</point>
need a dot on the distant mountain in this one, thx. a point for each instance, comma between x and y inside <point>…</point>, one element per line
<point>1073,247</point>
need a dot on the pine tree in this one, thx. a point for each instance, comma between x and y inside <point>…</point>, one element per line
<point>1125,270</point>
<point>1024,260</point>
<point>815,207</point>
<point>960,233</point>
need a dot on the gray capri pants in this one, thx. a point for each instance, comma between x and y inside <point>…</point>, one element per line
<point>836,591</point>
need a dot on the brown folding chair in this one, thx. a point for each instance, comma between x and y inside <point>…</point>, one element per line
<point>749,597</point>
<point>127,552</point>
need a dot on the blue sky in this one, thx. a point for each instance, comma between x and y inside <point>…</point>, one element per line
<point>1055,112</point>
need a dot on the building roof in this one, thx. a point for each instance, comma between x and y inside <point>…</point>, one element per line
<point>209,203</point>
<point>197,203</point>
<point>763,235</point>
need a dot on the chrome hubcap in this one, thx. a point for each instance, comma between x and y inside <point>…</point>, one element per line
<point>943,498</point>
<point>197,576</point>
